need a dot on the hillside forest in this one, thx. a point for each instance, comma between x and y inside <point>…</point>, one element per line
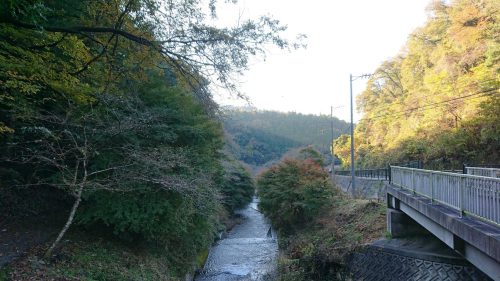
<point>438,99</point>
<point>259,137</point>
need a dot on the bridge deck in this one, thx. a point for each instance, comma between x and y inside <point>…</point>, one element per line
<point>482,235</point>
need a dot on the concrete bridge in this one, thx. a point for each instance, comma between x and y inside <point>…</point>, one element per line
<point>461,210</point>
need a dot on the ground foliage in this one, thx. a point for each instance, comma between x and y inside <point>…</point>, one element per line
<point>319,226</point>
<point>438,100</point>
<point>82,258</point>
<point>109,103</point>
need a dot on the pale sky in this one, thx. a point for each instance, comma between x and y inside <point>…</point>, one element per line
<point>344,37</point>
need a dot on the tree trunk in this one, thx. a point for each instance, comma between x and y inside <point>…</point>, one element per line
<point>71,216</point>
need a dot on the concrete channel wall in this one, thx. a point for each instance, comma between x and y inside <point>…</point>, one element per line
<point>375,263</point>
<point>365,187</point>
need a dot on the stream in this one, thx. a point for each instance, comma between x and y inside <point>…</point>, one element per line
<point>248,252</point>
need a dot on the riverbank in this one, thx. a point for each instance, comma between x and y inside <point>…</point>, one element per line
<point>85,257</point>
<point>320,250</point>
<point>85,254</point>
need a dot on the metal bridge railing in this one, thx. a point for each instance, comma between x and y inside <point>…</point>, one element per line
<point>381,174</point>
<point>485,172</point>
<point>470,194</point>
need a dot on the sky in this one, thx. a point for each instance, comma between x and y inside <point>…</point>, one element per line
<point>344,36</point>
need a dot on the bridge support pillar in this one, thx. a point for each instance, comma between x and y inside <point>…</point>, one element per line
<point>401,225</point>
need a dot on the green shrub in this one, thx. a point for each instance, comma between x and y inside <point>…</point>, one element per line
<point>238,187</point>
<point>182,226</point>
<point>309,152</point>
<point>293,192</point>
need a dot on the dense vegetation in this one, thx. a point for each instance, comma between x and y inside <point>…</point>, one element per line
<point>258,137</point>
<point>438,100</point>
<point>321,251</point>
<point>319,226</point>
<point>106,117</point>
<point>293,191</point>
<point>238,185</point>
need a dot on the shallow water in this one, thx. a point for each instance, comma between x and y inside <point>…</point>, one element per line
<point>248,252</point>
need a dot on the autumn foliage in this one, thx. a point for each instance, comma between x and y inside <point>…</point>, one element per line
<point>292,192</point>
<point>437,100</point>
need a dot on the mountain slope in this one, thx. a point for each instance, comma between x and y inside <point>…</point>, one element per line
<point>257,137</point>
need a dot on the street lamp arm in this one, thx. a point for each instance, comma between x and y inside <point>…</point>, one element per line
<point>356,77</point>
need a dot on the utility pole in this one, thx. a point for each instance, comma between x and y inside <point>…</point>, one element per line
<point>331,142</point>
<point>353,177</point>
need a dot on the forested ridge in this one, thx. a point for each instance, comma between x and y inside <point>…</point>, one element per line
<point>259,136</point>
<point>437,100</point>
<point>107,120</point>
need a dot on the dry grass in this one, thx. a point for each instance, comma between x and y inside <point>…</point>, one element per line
<point>342,227</point>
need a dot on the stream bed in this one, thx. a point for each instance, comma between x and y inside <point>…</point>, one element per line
<point>248,252</point>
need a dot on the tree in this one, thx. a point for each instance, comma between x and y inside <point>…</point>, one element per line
<point>292,192</point>
<point>238,186</point>
<point>177,29</point>
<point>311,154</point>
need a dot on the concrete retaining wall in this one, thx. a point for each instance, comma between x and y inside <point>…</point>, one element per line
<point>376,263</point>
<point>365,187</point>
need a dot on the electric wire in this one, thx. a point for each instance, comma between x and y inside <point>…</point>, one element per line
<point>466,97</point>
<point>401,102</point>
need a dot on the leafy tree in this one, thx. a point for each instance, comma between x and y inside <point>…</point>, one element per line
<point>237,187</point>
<point>309,153</point>
<point>292,192</point>
<point>178,30</point>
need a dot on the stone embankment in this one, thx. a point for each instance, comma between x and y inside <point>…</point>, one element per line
<point>415,259</point>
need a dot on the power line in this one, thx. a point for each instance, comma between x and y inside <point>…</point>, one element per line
<point>401,102</point>
<point>427,106</point>
<point>482,93</point>
<point>431,106</point>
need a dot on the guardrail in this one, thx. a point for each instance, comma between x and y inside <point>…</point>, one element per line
<point>381,174</point>
<point>343,172</point>
<point>470,194</point>
<point>485,172</point>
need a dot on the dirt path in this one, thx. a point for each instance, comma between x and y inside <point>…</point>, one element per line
<point>19,235</point>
